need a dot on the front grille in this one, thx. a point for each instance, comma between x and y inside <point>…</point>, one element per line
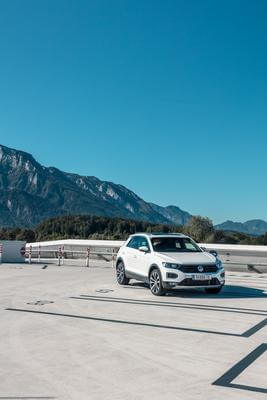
<point>193,282</point>
<point>194,268</point>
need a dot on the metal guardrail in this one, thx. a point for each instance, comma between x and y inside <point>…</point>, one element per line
<point>251,267</point>
<point>61,254</point>
<point>240,255</point>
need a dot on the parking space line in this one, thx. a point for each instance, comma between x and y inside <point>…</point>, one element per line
<point>246,334</point>
<point>226,379</point>
<point>262,312</point>
<point>116,321</point>
<point>255,328</point>
<point>145,303</point>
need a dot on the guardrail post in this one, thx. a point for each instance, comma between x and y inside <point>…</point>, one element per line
<point>30,255</point>
<point>59,256</point>
<point>39,254</point>
<point>1,252</point>
<point>62,255</point>
<point>88,257</point>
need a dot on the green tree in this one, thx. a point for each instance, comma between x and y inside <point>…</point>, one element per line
<point>26,234</point>
<point>200,228</point>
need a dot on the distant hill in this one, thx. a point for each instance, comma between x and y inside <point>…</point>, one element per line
<point>173,214</point>
<point>252,227</point>
<point>31,193</point>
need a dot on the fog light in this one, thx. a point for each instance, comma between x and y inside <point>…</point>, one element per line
<point>223,274</point>
<point>171,275</point>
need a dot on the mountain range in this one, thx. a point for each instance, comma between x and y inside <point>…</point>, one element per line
<point>251,227</point>
<point>31,193</point>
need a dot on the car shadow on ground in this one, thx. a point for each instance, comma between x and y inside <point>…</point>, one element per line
<point>229,291</point>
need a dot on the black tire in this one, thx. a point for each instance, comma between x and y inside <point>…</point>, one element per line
<point>120,274</point>
<point>155,283</point>
<point>213,290</point>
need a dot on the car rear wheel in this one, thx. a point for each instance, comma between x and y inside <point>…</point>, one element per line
<point>213,290</point>
<point>120,274</point>
<point>155,283</point>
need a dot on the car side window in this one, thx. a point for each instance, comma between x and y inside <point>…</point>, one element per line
<point>138,241</point>
<point>134,243</point>
<point>143,242</point>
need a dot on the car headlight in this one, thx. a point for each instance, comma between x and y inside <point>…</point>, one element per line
<point>219,264</point>
<point>170,265</point>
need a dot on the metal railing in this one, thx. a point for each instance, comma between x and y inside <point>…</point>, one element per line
<point>252,257</point>
<point>240,255</point>
<point>60,255</point>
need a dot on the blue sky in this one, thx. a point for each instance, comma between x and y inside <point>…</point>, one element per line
<point>167,97</point>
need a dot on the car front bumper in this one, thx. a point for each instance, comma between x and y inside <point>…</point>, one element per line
<point>193,280</point>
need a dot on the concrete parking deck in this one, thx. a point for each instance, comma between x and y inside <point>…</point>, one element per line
<point>73,333</point>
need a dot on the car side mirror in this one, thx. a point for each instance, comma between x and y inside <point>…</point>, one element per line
<point>213,252</point>
<point>144,249</point>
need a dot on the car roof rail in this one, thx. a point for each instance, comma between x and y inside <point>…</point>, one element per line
<point>159,233</point>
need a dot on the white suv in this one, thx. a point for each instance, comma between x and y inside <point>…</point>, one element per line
<point>168,261</point>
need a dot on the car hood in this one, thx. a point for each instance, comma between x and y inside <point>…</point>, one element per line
<point>187,258</point>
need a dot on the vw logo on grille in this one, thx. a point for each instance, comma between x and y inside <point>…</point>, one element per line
<point>200,268</point>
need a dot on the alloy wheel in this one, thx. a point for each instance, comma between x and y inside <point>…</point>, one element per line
<point>155,282</point>
<point>120,273</point>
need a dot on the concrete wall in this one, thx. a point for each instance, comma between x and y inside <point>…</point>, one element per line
<point>12,251</point>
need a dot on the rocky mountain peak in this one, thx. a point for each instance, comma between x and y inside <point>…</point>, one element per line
<point>31,192</point>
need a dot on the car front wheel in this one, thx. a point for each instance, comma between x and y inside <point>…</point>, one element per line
<point>155,283</point>
<point>120,274</point>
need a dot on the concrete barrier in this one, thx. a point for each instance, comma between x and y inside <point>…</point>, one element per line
<point>12,251</point>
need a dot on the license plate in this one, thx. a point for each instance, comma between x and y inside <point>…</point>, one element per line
<point>201,277</point>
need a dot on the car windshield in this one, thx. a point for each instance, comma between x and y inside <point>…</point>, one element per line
<point>174,245</point>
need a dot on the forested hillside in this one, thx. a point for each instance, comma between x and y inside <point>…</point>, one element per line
<point>93,227</point>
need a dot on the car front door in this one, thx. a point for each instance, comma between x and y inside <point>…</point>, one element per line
<point>130,253</point>
<point>141,258</point>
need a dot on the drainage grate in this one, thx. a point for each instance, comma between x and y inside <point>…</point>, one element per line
<point>40,302</point>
